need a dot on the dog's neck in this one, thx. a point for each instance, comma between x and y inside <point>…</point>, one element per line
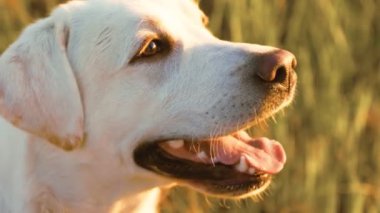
<point>47,178</point>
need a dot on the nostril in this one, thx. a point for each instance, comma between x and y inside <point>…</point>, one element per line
<point>275,67</point>
<point>281,75</point>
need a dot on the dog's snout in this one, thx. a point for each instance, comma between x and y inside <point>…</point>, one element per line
<point>275,67</point>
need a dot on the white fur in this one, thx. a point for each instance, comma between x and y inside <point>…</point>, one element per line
<point>68,81</point>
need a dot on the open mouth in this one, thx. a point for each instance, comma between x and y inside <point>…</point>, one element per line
<point>235,165</point>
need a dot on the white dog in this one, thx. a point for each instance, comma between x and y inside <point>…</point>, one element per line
<point>107,100</point>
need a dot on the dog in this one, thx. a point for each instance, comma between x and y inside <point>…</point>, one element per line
<point>105,101</point>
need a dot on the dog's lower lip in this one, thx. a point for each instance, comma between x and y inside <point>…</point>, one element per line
<point>236,187</point>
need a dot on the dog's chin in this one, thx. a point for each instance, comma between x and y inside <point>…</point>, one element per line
<point>234,166</point>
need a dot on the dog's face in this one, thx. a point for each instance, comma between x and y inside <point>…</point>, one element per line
<point>158,93</point>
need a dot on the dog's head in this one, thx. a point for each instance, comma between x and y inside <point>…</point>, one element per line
<point>150,86</point>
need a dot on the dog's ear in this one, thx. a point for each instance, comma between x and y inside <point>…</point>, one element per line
<point>38,89</point>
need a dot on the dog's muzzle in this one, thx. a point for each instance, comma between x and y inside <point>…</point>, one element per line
<point>233,165</point>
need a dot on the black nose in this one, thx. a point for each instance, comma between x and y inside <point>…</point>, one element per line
<point>275,67</point>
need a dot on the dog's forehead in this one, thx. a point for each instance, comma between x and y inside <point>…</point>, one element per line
<point>174,8</point>
<point>168,13</point>
<point>174,16</point>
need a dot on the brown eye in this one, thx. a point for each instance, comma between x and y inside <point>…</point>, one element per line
<point>152,48</point>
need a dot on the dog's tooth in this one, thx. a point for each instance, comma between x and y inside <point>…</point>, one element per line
<point>242,166</point>
<point>215,160</point>
<point>251,171</point>
<point>176,144</point>
<point>202,155</point>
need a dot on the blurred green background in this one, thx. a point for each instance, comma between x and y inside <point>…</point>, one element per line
<point>332,131</point>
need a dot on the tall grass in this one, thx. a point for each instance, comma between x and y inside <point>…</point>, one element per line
<point>332,131</point>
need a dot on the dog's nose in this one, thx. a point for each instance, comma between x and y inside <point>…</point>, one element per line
<point>275,67</point>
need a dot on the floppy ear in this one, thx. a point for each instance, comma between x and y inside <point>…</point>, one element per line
<point>38,90</point>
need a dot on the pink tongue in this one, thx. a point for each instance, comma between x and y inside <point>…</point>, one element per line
<point>261,153</point>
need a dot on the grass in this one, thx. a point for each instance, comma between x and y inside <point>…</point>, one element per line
<point>332,131</point>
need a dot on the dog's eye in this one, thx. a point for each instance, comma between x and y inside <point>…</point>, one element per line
<point>152,48</point>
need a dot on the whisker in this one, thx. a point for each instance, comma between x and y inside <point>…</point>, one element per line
<point>274,119</point>
<point>192,144</point>
<point>212,144</point>
<point>223,145</point>
<point>216,145</point>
